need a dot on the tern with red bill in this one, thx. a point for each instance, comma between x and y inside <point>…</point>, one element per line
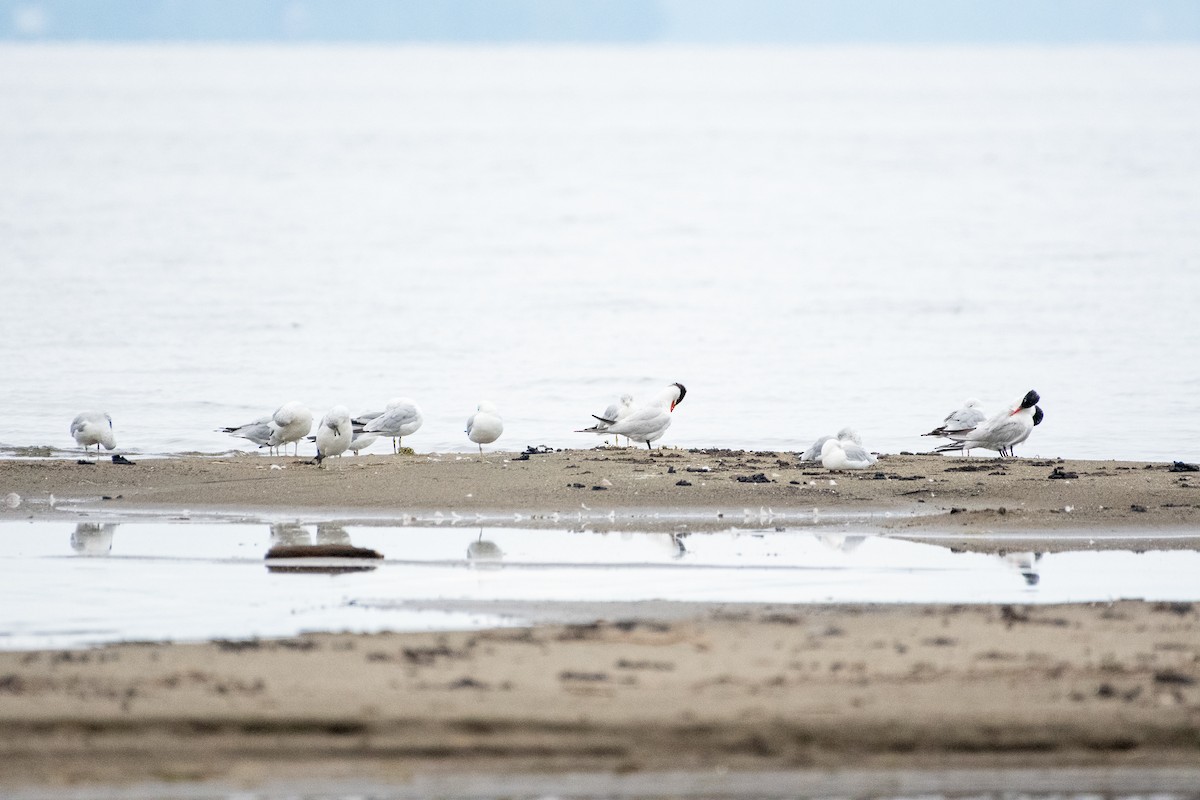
<point>1002,432</point>
<point>647,423</point>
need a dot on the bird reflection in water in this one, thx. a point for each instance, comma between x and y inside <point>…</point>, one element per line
<point>292,550</point>
<point>484,554</point>
<point>843,542</point>
<point>332,533</point>
<point>1025,563</point>
<point>93,538</point>
<point>289,534</point>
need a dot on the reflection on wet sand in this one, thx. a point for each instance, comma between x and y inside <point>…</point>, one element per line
<point>292,550</point>
<point>93,538</point>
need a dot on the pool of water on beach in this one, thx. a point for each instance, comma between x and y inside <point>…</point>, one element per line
<point>71,584</point>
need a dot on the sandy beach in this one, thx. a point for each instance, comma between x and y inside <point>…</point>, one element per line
<point>919,491</point>
<point>655,685</point>
<point>742,688</point>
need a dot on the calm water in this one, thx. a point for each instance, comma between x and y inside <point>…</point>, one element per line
<point>191,236</point>
<point>78,584</point>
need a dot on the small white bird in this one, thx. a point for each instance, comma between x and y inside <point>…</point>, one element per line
<point>93,428</point>
<point>964,419</point>
<point>401,418</point>
<point>834,456</point>
<point>1001,432</point>
<point>335,433</point>
<point>813,453</point>
<point>291,422</point>
<point>613,414</point>
<point>258,431</point>
<point>647,423</point>
<point>852,446</point>
<point>485,425</point>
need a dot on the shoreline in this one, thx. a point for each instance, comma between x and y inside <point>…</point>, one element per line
<point>705,488</point>
<point>654,686</point>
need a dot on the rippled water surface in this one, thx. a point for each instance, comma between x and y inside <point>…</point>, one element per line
<point>807,238</point>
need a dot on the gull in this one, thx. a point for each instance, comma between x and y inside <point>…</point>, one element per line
<point>258,431</point>
<point>647,423</point>
<point>335,433</point>
<point>362,441</point>
<point>613,414</point>
<point>1001,432</point>
<point>485,425</point>
<point>291,422</point>
<point>835,456</point>
<point>401,418</point>
<point>964,419</point>
<point>93,428</point>
<point>851,445</point>
<point>813,453</point>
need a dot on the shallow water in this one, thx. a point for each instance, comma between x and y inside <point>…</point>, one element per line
<point>807,238</point>
<point>77,584</point>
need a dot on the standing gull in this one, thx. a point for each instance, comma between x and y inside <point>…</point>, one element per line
<point>485,425</point>
<point>291,422</point>
<point>648,423</point>
<point>258,431</point>
<point>335,433</point>
<point>613,414</point>
<point>401,418</point>
<point>964,419</point>
<point>93,428</point>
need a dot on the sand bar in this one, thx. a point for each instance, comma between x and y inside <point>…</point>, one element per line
<point>733,687</point>
<point>922,492</point>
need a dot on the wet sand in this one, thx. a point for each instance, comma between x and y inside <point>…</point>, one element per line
<point>658,686</point>
<point>922,492</point>
<point>654,688</point>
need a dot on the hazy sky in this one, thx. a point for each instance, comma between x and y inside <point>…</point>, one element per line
<point>709,21</point>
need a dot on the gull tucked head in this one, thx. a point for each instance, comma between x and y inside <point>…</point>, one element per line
<point>1038,415</point>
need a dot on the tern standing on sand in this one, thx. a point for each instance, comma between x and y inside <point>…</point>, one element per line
<point>93,428</point>
<point>485,425</point>
<point>1003,431</point>
<point>648,423</point>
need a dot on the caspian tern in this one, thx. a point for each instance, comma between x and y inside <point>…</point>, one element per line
<point>93,428</point>
<point>334,434</point>
<point>647,423</point>
<point>813,453</point>
<point>1001,432</point>
<point>401,418</point>
<point>291,422</point>
<point>485,425</point>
